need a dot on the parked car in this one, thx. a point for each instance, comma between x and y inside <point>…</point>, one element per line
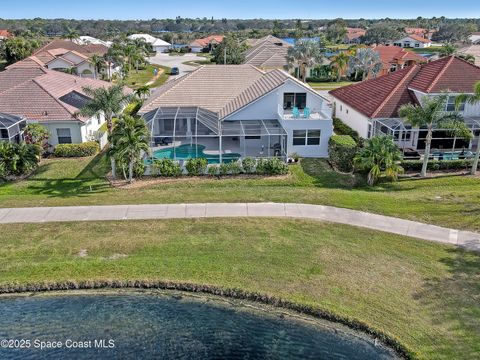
<point>175,71</point>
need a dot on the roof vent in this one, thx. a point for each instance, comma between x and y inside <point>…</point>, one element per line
<point>45,113</point>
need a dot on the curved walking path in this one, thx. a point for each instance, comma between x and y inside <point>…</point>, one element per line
<point>466,239</point>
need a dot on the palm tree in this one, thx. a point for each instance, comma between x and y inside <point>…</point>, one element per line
<point>448,50</point>
<point>340,63</point>
<point>380,157</point>
<point>472,99</point>
<point>303,55</point>
<point>142,92</point>
<point>98,63</point>
<point>107,102</point>
<point>367,61</point>
<point>432,114</point>
<point>71,34</point>
<point>130,138</point>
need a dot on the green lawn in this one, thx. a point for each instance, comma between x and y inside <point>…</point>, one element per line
<point>430,50</point>
<point>329,85</point>
<point>452,201</point>
<point>425,295</point>
<point>138,79</point>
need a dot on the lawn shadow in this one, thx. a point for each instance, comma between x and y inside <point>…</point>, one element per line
<point>96,169</point>
<point>454,301</point>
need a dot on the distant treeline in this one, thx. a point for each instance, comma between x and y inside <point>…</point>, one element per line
<point>182,27</point>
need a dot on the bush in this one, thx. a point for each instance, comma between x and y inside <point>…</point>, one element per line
<point>77,150</point>
<point>223,169</point>
<point>18,159</point>
<point>342,150</point>
<point>196,166</point>
<point>416,165</point>
<point>234,168</point>
<point>132,108</point>
<point>213,170</point>
<point>139,169</point>
<point>340,128</point>
<point>166,167</point>
<point>248,165</point>
<point>272,166</point>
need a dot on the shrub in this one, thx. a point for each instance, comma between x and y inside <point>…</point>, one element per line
<point>234,168</point>
<point>132,108</point>
<point>223,169</point>
<point>18,159</point>
<point>342,150</point>
<point>340,128</point>
<point>138,169</point>
<point>213,170</point>
<point>248,165</point>
<point>77,150</point>
<point>272,166</point>
<point>196,166</point>
<point>36,134</point>
<point>166,167</point>
<point>416,165</point>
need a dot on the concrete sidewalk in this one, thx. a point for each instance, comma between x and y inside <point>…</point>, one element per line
<point>465,239</point>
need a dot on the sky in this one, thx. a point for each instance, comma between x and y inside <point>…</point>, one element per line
<point>238,9</point>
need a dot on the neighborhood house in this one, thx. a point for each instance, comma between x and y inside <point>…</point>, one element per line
<point>158,45</point>
<point>267,53</point>
<point>413,41</point>
<point>395,58</point>
<point>371,107</point>
<point>232,111</point>
<point>206,44</point>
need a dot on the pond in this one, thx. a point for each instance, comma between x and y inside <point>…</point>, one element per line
<point>170,325</point>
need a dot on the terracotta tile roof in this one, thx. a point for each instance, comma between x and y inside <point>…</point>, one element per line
<point>383,96</point>
<point>68,45</point>
<point>204,42</point>
<point>222,89</point>
<point>473,50</point>
<point>35,93</point>
<point>392,54</point>
<point>5,33</point>
<point>419,38</point>
<point>98,49</point>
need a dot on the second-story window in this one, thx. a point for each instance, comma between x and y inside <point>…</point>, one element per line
<point>451,105</point>
<point>291,100</point>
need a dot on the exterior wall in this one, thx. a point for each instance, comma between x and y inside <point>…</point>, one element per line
<point>52,126</point>
<point>161,49</point>
<point>352,118</point>
<point>86,66</point>
<point>73,58</point>
<point>326,131</point>
<point>196,49</point>
<point>411,43</point>
<point>59,64</point>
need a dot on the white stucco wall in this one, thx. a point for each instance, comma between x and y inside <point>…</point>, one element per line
<point>326,130</point>
<point>52,126</point>
<point>356,120</point>
<point>161,49</point>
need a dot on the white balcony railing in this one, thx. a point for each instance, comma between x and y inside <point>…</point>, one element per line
<point>315,114</point>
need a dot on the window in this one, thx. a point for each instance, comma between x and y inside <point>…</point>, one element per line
<point>3,134</point>
<point>306,137</point>
<point>451,106</point>
<point>341,108</point>
<point>417,45</point>
<point>291,100</point>
<point>64,136</point>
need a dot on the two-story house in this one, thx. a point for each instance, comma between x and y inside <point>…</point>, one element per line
<point>233,111</point>
<point>371,107</point>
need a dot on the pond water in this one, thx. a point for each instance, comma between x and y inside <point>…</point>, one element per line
<point>166,325</point>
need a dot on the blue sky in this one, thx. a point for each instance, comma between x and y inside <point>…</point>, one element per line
<point>281,9</point>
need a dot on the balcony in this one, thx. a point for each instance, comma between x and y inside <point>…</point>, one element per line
<point>323,113</point>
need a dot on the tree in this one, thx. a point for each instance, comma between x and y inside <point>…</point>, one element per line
<point>19,48</point>
<point>298,29</point>
<point>36,134</point>
<point>472,99</point>
<point>432,114</point>
<point>382,34</point>
<point>107,102</point>
<point>233,48</point>
<point>380,157</point>
<point>130,137</point>
<point>143,92</point>
<point>98,64</point>
<point>305,54</point>
<point>71,34</point>
<point>448,50</point>
<point>452,33</point>
<point>340,63</point>
<point>365,61</point>
<point>335,32</point>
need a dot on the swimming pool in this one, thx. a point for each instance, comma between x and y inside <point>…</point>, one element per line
<point>184,152</point>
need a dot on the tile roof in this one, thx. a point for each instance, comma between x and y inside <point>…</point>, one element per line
<point>87,50</point>
<point>267,55</point>
<point>383,96</point>
<point>393,54</point>
<point>270,39</point>
<point>419,38</point>
<point>222,89</point>
<point>35,93</point>
<point>204,42</point>
<point>472,50</point>
<point>5,33</point>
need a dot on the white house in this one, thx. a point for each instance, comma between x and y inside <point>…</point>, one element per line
<point>158,45</point>
<point>475,38</point>
<point>413,41</point>
<point>234,111</point>
<point>51,98</point>
<point>371,107</point>
<point>87,40</point>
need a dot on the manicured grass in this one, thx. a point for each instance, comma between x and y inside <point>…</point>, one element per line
<point>138,79</point>
<point>430,50</point>
<point>422,294</point>
<point>452,201</point>
<point>329,85</point>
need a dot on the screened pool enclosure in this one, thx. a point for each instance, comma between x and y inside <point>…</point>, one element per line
<point>11,127</point>
<point>185,132</point>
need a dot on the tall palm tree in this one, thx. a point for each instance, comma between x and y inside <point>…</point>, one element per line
<point>107,102</point>
<point>98,64</point>
<point>71,34</point>
<point>380,157</point>
<point>340,63</point>
<point>432,114</point>
<point>367,61</point>
<point>472,99</point>
<point>142,92</point>
<point>303,55</point>
<point>130,138</point>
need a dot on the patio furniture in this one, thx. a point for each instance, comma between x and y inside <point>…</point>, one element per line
<point>306,113</point>
<point>296,112</point>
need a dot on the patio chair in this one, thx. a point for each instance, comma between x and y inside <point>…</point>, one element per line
<point>306,113</point>
<point>295,112</point>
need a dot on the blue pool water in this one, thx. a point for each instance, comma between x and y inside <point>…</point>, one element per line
<point>163,325</point>
<point>184,152</point>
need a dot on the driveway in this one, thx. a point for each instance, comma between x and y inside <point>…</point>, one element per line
<point>175,61</point>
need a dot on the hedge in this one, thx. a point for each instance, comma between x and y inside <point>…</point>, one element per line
<point>342,150</point>
<point>416,165</point>
<point>166,167</point>
<point>77,150</point>
<point>340,128</point>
